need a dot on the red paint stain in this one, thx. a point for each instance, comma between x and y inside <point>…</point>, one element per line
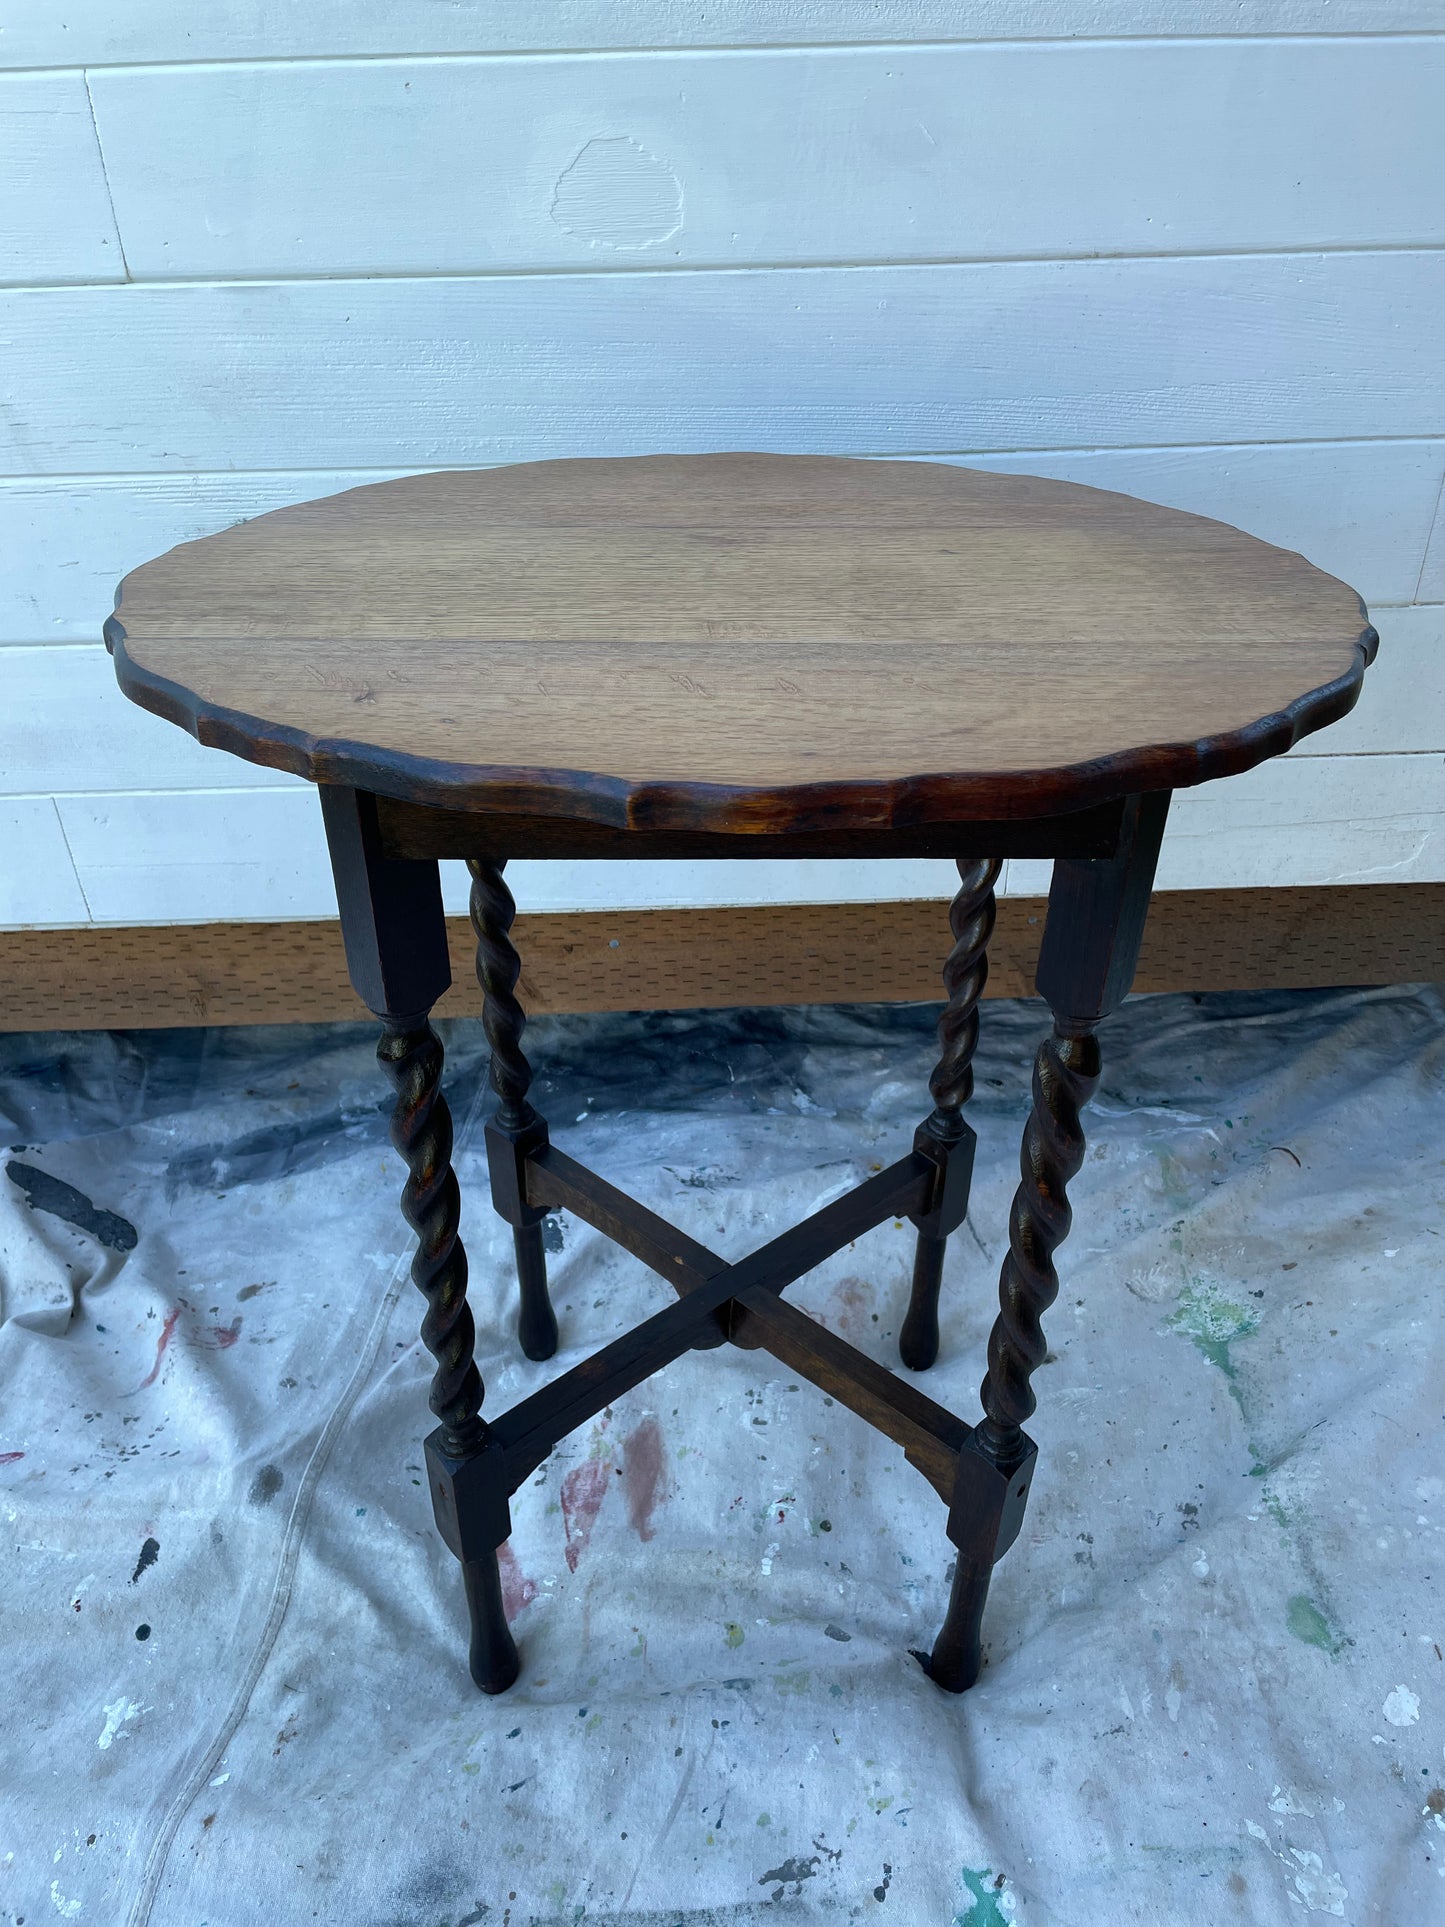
<point>225,1336</point>
<point>9,1458</point>
<point>642,1475</point>
<point>165,1338</point>
<point>583,1490</point>
<point>851,1307</point>
<point>517,1589</point>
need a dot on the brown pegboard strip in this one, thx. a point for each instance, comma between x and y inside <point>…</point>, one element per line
<point>255,973</point>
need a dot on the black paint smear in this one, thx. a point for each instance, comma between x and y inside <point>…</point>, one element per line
<point>149,1553</point>
<point>142,1632</point>
<point>794,1869</point>
<point>881,1892</point>
<point>265,1485</point>
<point>62,1200</point>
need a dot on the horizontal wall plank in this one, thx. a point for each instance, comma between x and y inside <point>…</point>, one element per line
<point>188,856</point>
<point>55,218</point>
<point>1362,510</point>
<point>238,973</point>
<point>37,33</point>
<point>197,856</point>
<point>65,726</point>
<point>1402,707</point>
<point>1432,574</point>
<point>1319,820</point>
<point>1301,821</point>
<point>438,371</point>
<point>38,883</point>
<point>68,542</point>
<point>402,167</point>
<point>192,856</point>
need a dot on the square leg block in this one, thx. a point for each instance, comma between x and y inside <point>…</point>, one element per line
<point>989,1501</point>
<point>469,1498</point>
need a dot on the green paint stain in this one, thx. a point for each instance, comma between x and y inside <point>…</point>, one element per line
<point>765,1819</point>
<point>471,1766</point>
<point>1213,1322</point>
<point>1307,1622</point>
<point>733,1633</point>
<point>882,1805</point>
<point>986,1891</point>
<point>793,1682</point>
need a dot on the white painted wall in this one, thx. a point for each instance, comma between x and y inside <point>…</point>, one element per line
<point>251,254</point>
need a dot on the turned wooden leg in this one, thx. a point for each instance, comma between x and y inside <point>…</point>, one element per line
<point>492,1658</point>
<point>957,1656</point>
<point>945,1135</point>
<point>421,1130</point>
<point>997,1472</point>
<point>516,1131</point>
<point>396,952</point>
<point>1097,908</point>
<point>1066,1074</point>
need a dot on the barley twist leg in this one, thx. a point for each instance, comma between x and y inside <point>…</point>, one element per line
<point>516,1130</point>
<point>971,919</point>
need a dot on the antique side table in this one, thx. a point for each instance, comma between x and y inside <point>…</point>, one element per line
<point>738,655</point>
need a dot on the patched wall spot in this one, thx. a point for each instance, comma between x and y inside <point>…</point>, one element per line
<point>618,195</point>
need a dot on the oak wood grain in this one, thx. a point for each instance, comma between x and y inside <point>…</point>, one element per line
<point>741,643</point>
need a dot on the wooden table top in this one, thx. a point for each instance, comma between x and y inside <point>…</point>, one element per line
<point>741,642</point>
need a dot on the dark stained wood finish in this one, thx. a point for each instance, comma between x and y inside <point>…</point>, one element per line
<point>392,920</point>
<point>561,1183</point>
<point>516,1132</point>
<point>971,918</point>
<point>744,648</point>
<point>931,1436</point>
<point>752,644</point>
<point>1087,961</point>
<point>416,830</point>
<point>396,950</point>
<point>1091,944</point>
<point>705,1283</point>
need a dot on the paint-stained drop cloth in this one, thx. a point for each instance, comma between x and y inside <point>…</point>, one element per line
<point>233,1644</point>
